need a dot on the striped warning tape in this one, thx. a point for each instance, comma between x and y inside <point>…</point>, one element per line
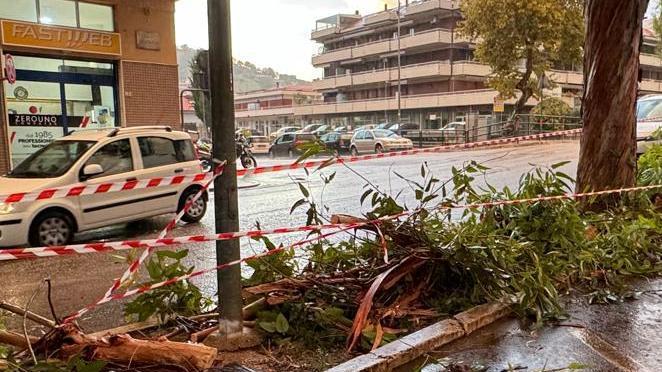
<point>44,252</point>
<point>90,189</point>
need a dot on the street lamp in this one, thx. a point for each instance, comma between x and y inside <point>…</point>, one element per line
<point>399,66</point>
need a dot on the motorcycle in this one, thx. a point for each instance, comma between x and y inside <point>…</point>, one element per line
<point>244,153</point>
<point>243,149</point>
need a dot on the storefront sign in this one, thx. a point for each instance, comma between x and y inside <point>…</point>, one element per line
<point>10,69</point>
<point>60,38</point>
<point>148,40</point>
<point>29,120</point>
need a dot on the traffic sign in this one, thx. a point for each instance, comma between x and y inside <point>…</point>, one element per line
<point>499,104</point>
<point>10,69</point>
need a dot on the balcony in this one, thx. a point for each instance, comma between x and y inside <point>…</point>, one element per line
<point>422,39</point>
<point>436,100</point>
<point>267,111</point>
<point>324,32</point>
<point>567,77</point>
<point>410,72</point>
<point>651,86</point>
<point>650,60</point>
<point>430,5</point>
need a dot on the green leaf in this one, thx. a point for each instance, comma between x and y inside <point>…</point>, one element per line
<point>304,190</point>
<point>268,326</point>
<point>577,366</point>
<point>172,254</point>
<point>561,164</point>
<point>297,205</point>
<point>365,195</point>
<point>282,325</point>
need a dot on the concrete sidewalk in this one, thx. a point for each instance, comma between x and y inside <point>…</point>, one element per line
<point>619,337</point>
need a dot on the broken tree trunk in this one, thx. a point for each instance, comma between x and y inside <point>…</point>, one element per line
<point>125,350</point>
<point>611,74</point>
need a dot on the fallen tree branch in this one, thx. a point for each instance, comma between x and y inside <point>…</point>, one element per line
<point>30,315</point>
<point>15,339</point>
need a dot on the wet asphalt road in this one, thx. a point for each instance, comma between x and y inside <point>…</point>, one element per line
<point>79,280</point>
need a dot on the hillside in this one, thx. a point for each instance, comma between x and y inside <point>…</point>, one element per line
<point>247,76</point>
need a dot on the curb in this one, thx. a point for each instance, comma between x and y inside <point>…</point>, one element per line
<point>412,346</point>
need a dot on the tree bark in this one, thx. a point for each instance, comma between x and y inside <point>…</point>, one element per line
<point>611,74</point>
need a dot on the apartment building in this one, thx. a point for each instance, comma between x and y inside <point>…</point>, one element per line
<point>267,110</point>
<point>440,81</point>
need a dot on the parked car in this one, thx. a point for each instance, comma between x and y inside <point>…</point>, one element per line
<point>366,127</point>
<point>96,157</point>
<point>337,143</point>
<point>311,128</point>
<point>283,130</point>
<point>454,129</point>
<point>342,130</point>
<point>324,129</point>
<point>649,120</point>
<point>383,126</point>
<point>259,144</point>
<point>289,144</point>
<point>378,141</point>
<point>403,129</point>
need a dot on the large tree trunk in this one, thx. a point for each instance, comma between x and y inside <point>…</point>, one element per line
<point>611,73</point>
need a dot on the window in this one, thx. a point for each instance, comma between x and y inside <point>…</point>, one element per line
<point>369,136</point>
<point>95,16</point>
<point>19,10</point>
<point>71,13</point>
<point>157,151</point>
<point>286,138</point>
<point>114,158</point>
<point>52,161</point>
<point>58,12</point>
<point>360,135</point>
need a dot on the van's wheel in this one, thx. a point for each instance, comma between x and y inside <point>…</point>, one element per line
<point>354,151</point>
<point>51,228</point>
<point>197,210</point>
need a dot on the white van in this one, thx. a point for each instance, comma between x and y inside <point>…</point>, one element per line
<point>94,157</point>
<point>649,120</point>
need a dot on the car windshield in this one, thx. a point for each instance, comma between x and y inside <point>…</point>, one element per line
<point>649,110</point>
<point>52,161</point>
<point>382,133</point>
<point>258,140</point>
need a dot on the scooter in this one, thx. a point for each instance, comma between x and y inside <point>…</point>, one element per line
<point>243,149</point>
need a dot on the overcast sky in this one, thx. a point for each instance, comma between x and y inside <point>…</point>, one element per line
<point>270,33</point>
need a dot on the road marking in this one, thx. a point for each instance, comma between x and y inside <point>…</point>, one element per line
<point>607,351</point>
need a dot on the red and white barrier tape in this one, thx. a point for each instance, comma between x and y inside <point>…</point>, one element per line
<point>135,265</point>
<point>352,159</point>
<point>151,287</point>
<point>102,188</point>
<point>44,252</point>
<point>81,190</point>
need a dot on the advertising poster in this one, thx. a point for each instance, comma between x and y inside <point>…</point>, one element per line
<point>27,138</point>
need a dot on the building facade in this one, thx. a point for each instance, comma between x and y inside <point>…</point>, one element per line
<point>92,63</point>
<point>268,110</point>
<point>440,81</point>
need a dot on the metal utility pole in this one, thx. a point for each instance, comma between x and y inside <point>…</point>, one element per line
<point>399,68</point>
<point>226,204</point>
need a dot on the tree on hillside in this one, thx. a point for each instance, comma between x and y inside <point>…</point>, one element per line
<point>521,39</point>
<point>611,73</point>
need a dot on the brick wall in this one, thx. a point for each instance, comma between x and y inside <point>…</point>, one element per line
<point>151,94</point>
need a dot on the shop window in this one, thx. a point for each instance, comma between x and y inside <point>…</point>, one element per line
<point>95,16</point>
<point>88,67</point>
<point>20,10</point>
<point>90,106</point>
<point>58,12</point>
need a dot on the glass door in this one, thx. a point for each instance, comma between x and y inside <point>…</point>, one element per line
<point>53,97</point>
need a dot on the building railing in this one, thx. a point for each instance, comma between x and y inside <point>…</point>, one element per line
<point>390,39</point>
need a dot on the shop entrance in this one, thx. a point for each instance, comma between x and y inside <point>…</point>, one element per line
<point>52,97</point>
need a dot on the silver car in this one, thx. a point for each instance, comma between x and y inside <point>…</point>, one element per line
<point>378,141</point>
